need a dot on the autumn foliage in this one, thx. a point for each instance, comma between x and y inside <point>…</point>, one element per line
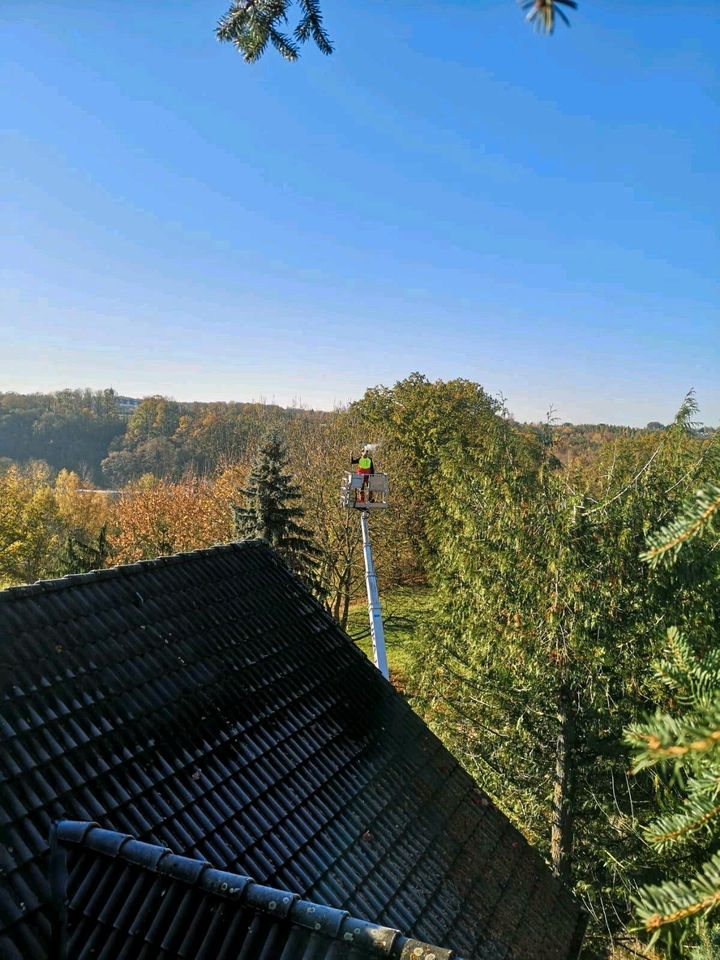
<point>155,517</point>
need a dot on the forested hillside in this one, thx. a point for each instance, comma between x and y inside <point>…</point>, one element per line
<point>72,429</point>
<point>532,640</point>
<point>84,431</point>
<point>87,432</point>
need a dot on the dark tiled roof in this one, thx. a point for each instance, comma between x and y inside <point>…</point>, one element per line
<point>207,703</point>
<point>115,897</point>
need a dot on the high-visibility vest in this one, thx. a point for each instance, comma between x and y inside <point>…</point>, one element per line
<point>365,463</point>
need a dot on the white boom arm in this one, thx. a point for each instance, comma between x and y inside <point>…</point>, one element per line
<point>377,631</point>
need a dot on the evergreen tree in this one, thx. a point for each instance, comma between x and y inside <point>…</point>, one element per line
<point>685,742</point>
<point>81,556</point>
<point>540,654</point>
<point>250,25</point>
<point>272,511</point>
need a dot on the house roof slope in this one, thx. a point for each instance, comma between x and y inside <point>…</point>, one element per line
<point>207,703</point>
<point>115,897</point>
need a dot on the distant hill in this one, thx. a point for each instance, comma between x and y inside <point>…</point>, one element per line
<point>111,439</point>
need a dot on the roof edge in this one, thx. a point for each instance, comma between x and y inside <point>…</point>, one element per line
<point>329,921</point>
<point>579,935</point>
<point>126,569</point>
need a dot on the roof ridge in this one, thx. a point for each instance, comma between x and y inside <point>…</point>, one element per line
<point>125,569</point>
<point>323,919</point>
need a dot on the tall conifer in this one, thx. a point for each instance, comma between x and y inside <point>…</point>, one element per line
<point>272,511</point>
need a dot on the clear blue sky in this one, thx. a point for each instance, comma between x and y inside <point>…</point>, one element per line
<point>449,192</point>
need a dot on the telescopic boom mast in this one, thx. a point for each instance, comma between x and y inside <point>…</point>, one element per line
<point>366,493</point>
<point>377,631</point>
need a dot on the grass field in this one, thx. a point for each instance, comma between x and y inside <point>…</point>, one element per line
<point>404,611</point>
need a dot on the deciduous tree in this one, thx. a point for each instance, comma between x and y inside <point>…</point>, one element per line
<point>31,529</point>
<point>158,517</point>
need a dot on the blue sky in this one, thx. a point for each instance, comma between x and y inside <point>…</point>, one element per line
<point>449,192</point>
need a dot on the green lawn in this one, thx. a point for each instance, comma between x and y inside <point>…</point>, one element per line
<point>404,610</point>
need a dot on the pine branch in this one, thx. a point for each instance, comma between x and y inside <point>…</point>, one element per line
<point>697,812</point>
<point>667,738</point>
<point>677,901</point>
<point>541,13</point>
<point>311,25</point>
<point>675,670</point>
<point>251,24</point>
<point>283,44</point>
<point>696,516</point>
<point>689,742</point>
<point>692,680</point>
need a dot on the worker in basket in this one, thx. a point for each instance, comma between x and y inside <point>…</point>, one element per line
<point>366,468</point>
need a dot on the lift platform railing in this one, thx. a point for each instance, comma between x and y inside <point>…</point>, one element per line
<point>365,491</point>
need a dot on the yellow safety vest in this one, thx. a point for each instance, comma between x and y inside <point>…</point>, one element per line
<point>365,463</point>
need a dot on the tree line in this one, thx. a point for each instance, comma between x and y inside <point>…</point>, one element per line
<point>86,432</point>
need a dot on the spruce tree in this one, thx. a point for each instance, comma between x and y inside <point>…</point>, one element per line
<point>272,511</point>
<point>684,743</point>
<point>81,556</point>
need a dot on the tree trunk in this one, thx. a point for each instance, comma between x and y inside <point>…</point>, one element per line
<point>563,805</point>
<point>346,603</point>
<point>336,600</point>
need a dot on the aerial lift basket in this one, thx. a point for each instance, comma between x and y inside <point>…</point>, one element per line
<point>365,491</point>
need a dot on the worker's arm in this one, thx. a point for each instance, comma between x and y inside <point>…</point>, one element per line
<point>354,459</point>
